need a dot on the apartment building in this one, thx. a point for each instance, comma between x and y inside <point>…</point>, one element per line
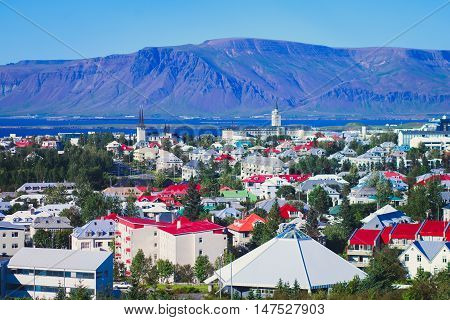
<point>39,273</point>
<point>255,165</point>
<point>12,238</point>
<point>96,235</point>
<point>180,242</point>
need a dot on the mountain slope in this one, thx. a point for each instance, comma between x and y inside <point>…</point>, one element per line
<point>233,77</point>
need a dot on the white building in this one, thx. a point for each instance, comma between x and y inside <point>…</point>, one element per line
<point>255,165</point>
<point>431,256</point>
<point>141,134</point>
<point>39,187</point>
<point>270,187</point>
<point>180,242</point>
<point>40,273</point>
<point>168,161</point>
<point>276,117</point>
<point>96,235</point>
<point>12,238</point>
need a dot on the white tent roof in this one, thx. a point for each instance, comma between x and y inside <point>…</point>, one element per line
<point>290,256</point>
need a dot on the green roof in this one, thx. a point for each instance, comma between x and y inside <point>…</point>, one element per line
<point>238,194</point>
<point>334,211</point>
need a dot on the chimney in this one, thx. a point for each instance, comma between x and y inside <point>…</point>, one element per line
<point>178,224</point>
<point>212,218</point>
<point>157,217</point>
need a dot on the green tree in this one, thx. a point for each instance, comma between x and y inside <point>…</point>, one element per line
<point>312,224</point>
<point>384,192</point>
<point>80,292</point>
<point>192,202</point>
<point>61,294</point>
<point>349,222</point>
<point>202,268</point>
<point>165,269</point>
<point>384,270</point>
<point>43,239</point>
<point>56,195</point>
<point>143,275</point>
<point>423,287</point>
<point>286,192</point>
<point>417,204</point>
<point>74,216</point>
<point>130,207</point>
<point>183,273</point>
<point>319,200</point>
<point>434,190</point>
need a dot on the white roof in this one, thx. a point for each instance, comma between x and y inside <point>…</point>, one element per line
<point>290,256</point>
<point>386,209</point>
<point>58,259</point>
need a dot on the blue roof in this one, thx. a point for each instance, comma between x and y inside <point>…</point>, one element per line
<point>430,248</point>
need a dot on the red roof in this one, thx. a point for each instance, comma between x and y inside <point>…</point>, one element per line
<point>271,150</point>
<point>138,223</point>
<point>447,233</point>
<point>260,178</point>
<point>406,231</point>
<point>111,216</point>
<point>439,177</point>
<point>178,189</point>
<point>433,228</point>
<point>305,146</point>
<point>23,143</point>
<point>365,236</point>
<point>186,226</point>
<point>246,224</point>
<point>394,175</point>
<point>385,235</point>
<point>154,144</point>
<point>224,157</point>
<point>124,147</point>
<point>285,211</point>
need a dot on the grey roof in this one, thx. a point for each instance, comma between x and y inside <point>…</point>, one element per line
<point>58,259</point>
<point>227,212</point>
<point>8,225</point>
<point>290,256</point>
<point>98,229</point>
<point>51,223</point>
<point>266,205</point>
<point>193,164</point>
<point>430,248</point>
<point>263,161</point>
<point>310,184</point>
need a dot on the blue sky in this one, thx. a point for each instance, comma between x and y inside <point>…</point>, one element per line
<point>99,28</point>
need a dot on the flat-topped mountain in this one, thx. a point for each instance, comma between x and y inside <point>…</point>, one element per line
<point>230,77</point>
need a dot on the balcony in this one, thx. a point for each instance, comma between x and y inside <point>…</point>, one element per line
<point>128,238</point>
<point>360,252</point>
<point>128,249</point>
<point>118,233</point>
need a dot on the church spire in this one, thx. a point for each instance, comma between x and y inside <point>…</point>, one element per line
<point>141,117</point>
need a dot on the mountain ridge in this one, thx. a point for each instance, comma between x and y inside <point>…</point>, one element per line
<point>233,76</point>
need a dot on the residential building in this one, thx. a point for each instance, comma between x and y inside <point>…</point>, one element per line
<point>12,238</point>
<point>96,235</point>
<point>242,229</point>
<point>180,242</point>
<point>255,165</point>
<point>50,223</point>
<point>39,273</point>
<point>39,187</point>
<point>190,170</point>
<point>361,246</point>
<point>168,161</point>
<point>430,256</point>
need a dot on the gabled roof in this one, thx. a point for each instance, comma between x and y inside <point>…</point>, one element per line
<point>433,228</point>
<point>290,256</point>
<point>407,231</point>
<point>184,226</point>
<point>285,210</point>
<point>365,237</point>
<point>386,234</point>
<point>58,259</point>
<point>430,248</point>
<point>246,224</point>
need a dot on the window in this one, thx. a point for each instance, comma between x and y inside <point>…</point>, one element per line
<point>4,235</point>
<point>200,240</point>
<point>406,257</point>
<point>200,252</point>
<point>444,259</point>
<point>99,244</point>
<point>155,244</point>
<point>4,246</point>
<point>155,233</point>
<point>14,234</point>
<point>419,258</point>
<point>14,246</point>
<point>85,245</point>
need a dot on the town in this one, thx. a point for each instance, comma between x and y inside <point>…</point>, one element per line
<point>273,212</point>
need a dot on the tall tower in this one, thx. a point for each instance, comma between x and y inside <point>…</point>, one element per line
<point>140,129</point>
<point>276,117</point>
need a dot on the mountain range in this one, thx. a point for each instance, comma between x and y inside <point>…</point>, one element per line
<point>233,77</point>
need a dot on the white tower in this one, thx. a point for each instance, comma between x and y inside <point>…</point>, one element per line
<point>276,117</point>
<point>140,129</point>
